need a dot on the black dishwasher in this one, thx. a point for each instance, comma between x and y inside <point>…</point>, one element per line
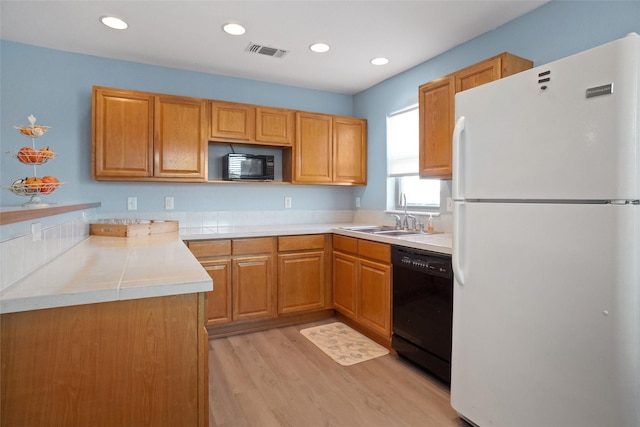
<point>423,309</point>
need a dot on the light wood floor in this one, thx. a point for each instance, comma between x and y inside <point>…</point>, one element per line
<point>279,378</point>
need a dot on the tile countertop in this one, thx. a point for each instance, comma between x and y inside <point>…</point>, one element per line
<point>103,269</point>
<point>440,243</point>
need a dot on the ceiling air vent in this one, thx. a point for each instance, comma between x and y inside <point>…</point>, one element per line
<point>265,50</point>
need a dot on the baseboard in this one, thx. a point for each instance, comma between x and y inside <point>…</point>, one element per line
<point>236,328</point>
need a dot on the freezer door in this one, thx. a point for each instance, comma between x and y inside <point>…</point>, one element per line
<point>546,326</point>
<point>572,137</point>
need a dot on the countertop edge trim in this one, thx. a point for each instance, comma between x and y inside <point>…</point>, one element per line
<point>13,216</point>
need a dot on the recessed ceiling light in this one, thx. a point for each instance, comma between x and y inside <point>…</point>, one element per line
<point>320,47</point>
<point>234,29</point>
<point>379,61</point>
<point>113,22</point>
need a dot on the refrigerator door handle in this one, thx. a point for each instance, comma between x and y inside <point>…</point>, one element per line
<point>458,208</point>
<point>458,190</point>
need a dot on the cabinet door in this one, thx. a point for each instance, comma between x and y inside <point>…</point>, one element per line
<point>478,74</point>
<point>275,126</point>
<point>301,282</point>
<point>219,299</point>
<point>180,146</point>
<point>230,120</point>
<point>374,296</point>
<point>436,104</point>
<point>495,68</point>
<point>122,133</point>
<point>345,280</point>
<point>253,287</point>
<point>312,149</point>
<point>349,150</point>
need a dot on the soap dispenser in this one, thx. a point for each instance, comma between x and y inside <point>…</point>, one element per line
<point>430,224</point>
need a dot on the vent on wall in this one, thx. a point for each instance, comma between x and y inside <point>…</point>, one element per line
<point>265,50</point>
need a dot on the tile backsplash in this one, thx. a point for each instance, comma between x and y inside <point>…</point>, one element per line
<point>213,219</point>
<point>21,252</point>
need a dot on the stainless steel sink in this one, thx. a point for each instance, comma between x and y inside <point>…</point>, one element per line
<point>384,230</point>
<point>395,232</point>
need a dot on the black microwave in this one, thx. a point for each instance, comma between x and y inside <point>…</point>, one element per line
<point>256,167</point>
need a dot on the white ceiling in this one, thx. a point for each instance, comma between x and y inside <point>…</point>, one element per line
<point>187,34</point>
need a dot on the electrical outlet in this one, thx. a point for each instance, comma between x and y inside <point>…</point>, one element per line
<point>36,231</point>
<point>357,202</point>
<point>132,203</point>
<point>168,203</point>
<point>287,202</point>
<point>449,204</point>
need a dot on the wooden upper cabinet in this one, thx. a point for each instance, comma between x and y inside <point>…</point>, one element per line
<point>436,125</point>
<point>349,150</point>
<point>122,126</point>
<point>437,109</point>
<point>139,136</point>
<point>180,145</point>
<point>275,126</point>
<point>330,150</point>
<point>232,121</point>
<point>495,68</point>
<point>313,148</point>
<point>251,124</point>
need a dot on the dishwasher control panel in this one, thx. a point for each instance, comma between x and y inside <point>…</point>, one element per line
<point>425,261</point>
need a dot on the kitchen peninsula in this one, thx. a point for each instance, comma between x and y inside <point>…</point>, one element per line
<point>109,333</point>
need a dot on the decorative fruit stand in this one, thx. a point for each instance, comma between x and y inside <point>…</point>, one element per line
<point>33,186</point>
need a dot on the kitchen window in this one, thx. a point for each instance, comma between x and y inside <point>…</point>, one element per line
<point>402,164</point>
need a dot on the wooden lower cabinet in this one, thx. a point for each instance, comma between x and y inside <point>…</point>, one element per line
<point>265,282</point>
<point>137,362</point>
<point>345,283</point>
<point>303,274</point>
<point>215,257</point>
<point>253,279</point>
<point>251,288</point>
<point>243,274</point>
<point>362,284</point>
<point>374,296</point>
<point>219,300</point>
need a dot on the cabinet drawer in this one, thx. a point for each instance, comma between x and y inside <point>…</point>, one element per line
<point>210,248</point>
<point>298,243</point>
<point>374,250</point>
<point>253,246</point>
<point>345,244</point>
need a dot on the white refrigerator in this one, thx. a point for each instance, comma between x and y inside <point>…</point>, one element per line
<point>546,252</point>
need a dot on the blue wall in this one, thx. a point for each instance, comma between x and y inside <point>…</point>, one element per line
<point>55,86</point>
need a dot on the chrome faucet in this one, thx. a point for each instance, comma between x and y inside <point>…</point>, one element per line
<point>405,220</point>
<point>398,221</point>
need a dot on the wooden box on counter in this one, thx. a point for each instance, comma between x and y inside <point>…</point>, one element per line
<point>133,228</point>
